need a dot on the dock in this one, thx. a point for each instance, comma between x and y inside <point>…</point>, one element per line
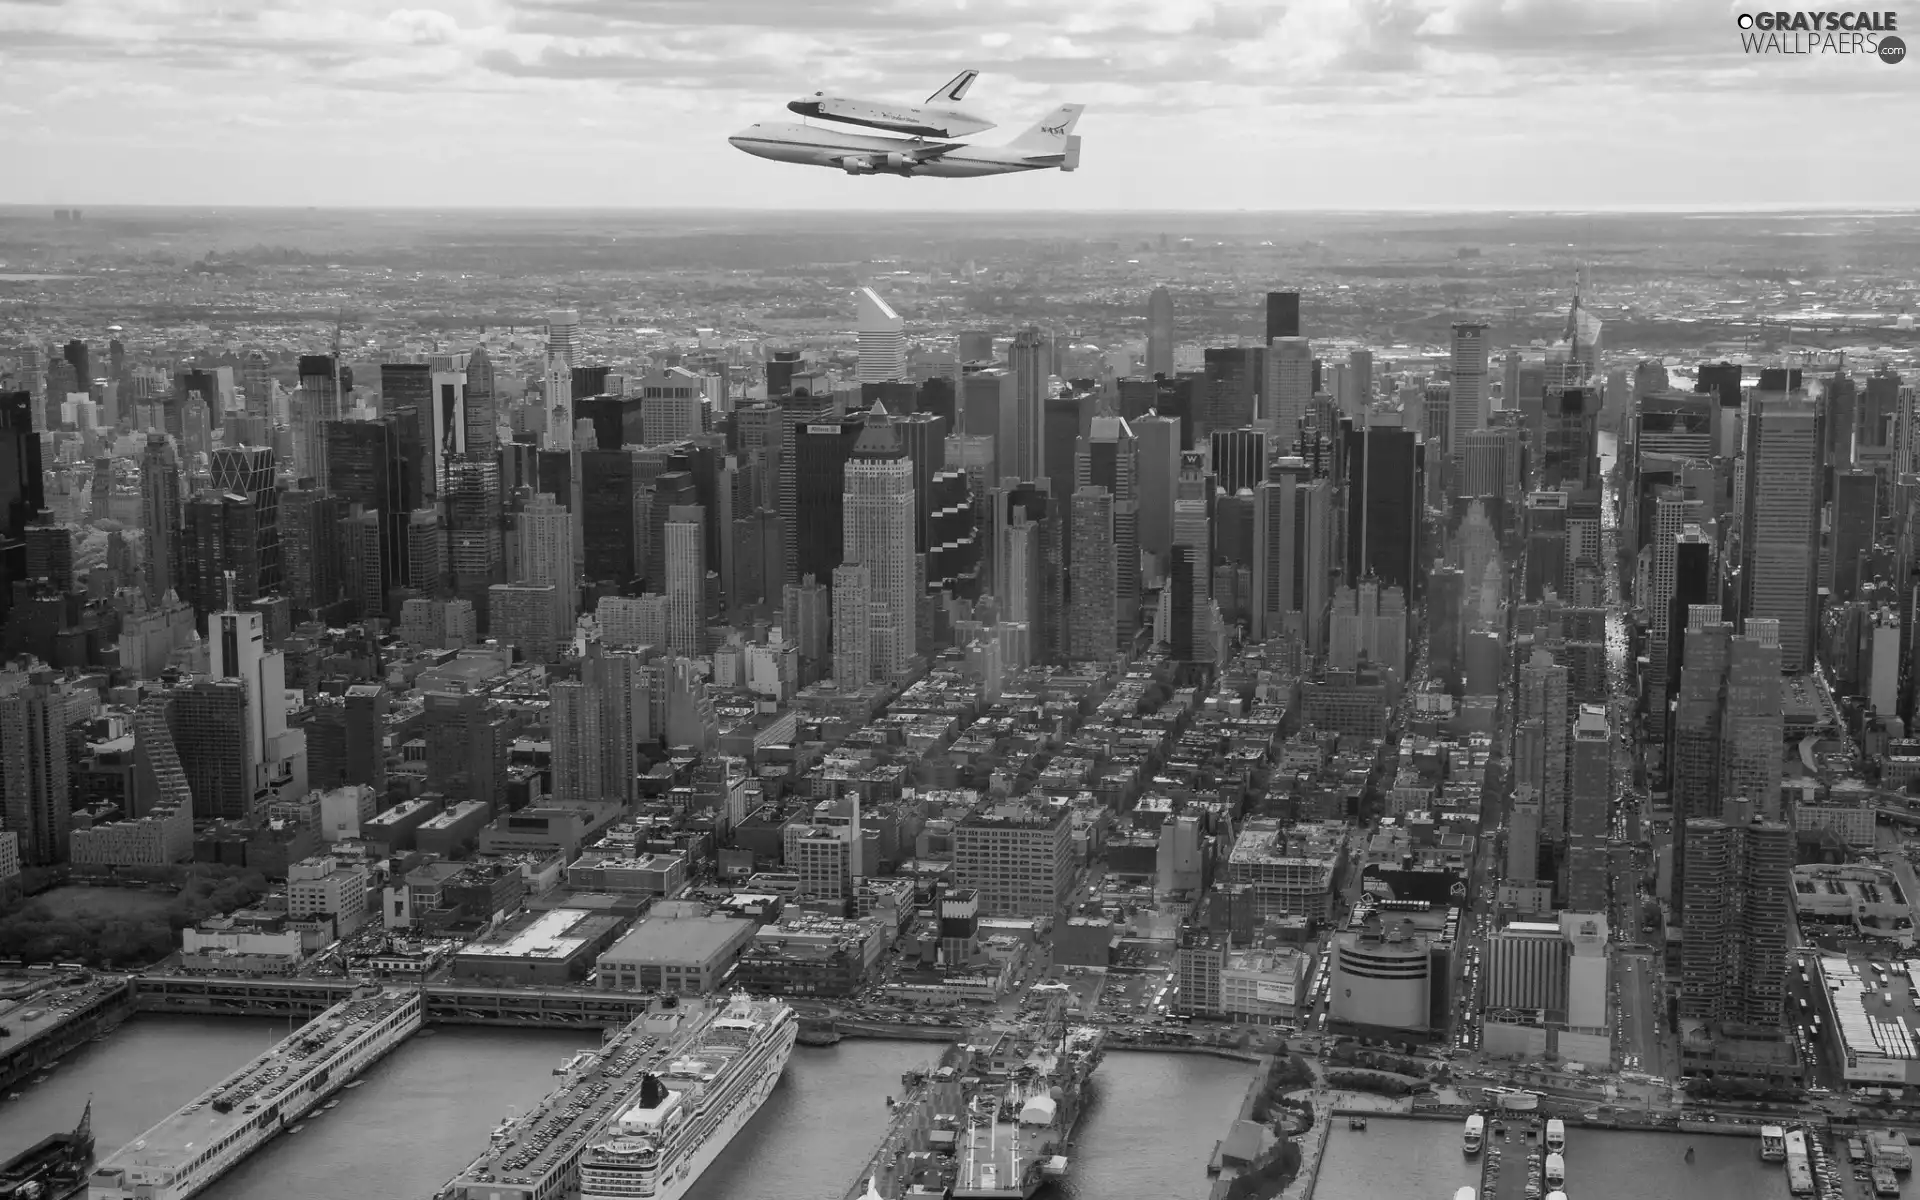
<point>47,1020</point>
<point>230,1120</point>
<point>908,1144</point>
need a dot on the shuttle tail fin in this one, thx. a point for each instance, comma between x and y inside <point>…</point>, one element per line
<point>955,89</point>
<point>1051,134</point>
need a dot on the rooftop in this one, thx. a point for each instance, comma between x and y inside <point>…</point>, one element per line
<point>678,939</point>
<point>546,937</point>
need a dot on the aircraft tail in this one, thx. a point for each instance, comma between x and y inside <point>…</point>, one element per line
<point>1051,135</point>
<point>955,89</point>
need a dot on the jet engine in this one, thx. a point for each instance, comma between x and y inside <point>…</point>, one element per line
<point>898,161</point>
<point>857,166</point>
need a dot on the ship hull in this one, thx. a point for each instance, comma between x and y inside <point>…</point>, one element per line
<point>676,1181</point>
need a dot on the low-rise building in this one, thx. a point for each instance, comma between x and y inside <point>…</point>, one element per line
<point>323,885</point>
<point>808,955</point>
<point>652,874</point>
<point>670,951</point>
<point>555,947</point>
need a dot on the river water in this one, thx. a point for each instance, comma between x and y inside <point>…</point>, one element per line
<point>1422,1160</point>
<point>425,1111</point>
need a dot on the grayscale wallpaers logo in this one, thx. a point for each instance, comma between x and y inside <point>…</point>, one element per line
<point>1867,34</point>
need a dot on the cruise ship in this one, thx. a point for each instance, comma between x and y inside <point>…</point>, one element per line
<point>199,1143</point>
<point>685,1111</point>
<point>643,1115</point>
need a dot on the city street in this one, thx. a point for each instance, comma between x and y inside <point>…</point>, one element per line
<point>1641,1029</point>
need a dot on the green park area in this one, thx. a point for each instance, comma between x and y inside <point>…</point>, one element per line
<point>112,926</point>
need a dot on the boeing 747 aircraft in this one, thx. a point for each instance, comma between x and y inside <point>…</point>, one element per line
<point>1049,145</point>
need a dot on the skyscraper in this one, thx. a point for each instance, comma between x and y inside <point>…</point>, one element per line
<point>1781,527</point>
<point>543,534</point>
<point>34,804</point>
<point>1385,466</point>
<point>248,471</point>
<point>1735,917</point>
<point>1288,390</point>
<point>160,516</point>
<point>1159,333</point>
<point>578,753</point>
<point>1109,460</point>
<point>1283,316</point>
<point>1091,624</point>
<point>482,418</point>
<point>882,339</point>
<point>237,649</point>
<point>1233,383</point>
<point>852,626</point>
<point>686,580</point>
<point>878,525</point>
<point>1022,451</point>
<point>1467,404</point>
<point>1543,698</point>
<point>1292,536</point>
<point>1589,810</point>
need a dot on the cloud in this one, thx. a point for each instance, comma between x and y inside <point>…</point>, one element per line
<point>1246,103</point>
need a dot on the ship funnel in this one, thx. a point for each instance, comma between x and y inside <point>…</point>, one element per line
<point>653,1093</point>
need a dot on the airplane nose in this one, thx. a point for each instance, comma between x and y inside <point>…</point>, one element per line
<point>806,108</point>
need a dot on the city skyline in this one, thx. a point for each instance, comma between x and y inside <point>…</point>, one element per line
<point>1458,94</point>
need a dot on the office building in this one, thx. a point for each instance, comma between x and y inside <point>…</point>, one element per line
<point>882,339</point>
<point>1232,382</point>
<point>852,626</point>
<point>160,517</point>
<point>1159,333</point>
<point>878,534</point>
<point>1021,442</point>
<point>1589,810</point>
<point>686,581</point>
<point>1288,392</point>
<point>1385,466</point>
<point>543,558</point>
<point>1467,404</point>
<point>1781,526</point>
<point>1283,316</point>
<point>1018,860</point>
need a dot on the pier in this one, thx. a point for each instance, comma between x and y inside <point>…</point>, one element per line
<point>220,1127</point>
<point>45,1024</point>
<point>909,1144</point>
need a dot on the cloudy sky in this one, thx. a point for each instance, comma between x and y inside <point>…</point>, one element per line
<point>1192,104</point>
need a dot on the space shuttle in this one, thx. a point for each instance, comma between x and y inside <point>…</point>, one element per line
<point>935,118</point>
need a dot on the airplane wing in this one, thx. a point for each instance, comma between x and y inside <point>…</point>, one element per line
<point>955,89</point>
<point>915,155</point>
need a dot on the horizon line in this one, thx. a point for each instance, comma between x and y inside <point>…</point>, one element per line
<point>7,208</point>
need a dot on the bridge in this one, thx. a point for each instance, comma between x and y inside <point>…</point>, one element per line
<point>447,1003</point>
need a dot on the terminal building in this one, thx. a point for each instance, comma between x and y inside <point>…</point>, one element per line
<point>675,948</point>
